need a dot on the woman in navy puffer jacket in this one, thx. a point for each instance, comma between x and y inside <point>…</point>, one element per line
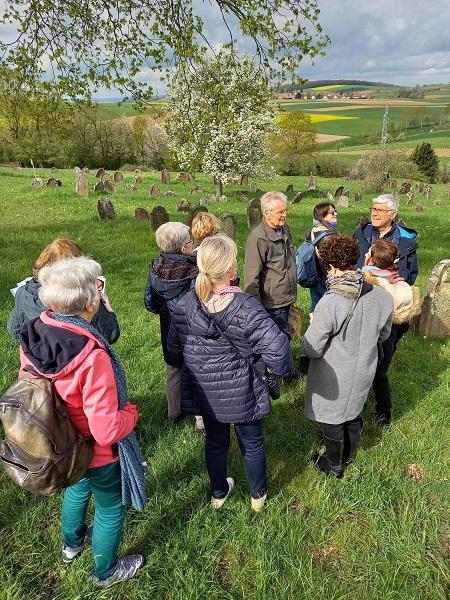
<point>224,340</point>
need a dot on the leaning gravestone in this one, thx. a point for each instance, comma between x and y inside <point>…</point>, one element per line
<point>155,192</point>
<point>434,319</point>
<point>228,225</point>
<point>289,189</point>
<point>118,177</point>
<point>342,202</point>
<point>158,217</point>
<point>254,213</point>
<point>82,185</point>
<point>37,182</point>
<point>183,205</point>
<point>165,177</point>
<point>109,185</point>
<point>99,187</point>
<point>105,209</point>
<point>140,214</point>
<point>194,212</point>
<point>339,191</point>
<point>358,197</point>
<point>298,197</point>
<point>100,172</point>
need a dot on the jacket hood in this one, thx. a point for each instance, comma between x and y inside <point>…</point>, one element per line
<point>172,274</point>
<point>52,349</point>
<point>31,298</point>
<point>201,323</point>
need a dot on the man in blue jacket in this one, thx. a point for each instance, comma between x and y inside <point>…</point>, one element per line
<point>383,212</point>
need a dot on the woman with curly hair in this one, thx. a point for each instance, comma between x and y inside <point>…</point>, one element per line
<point>204,225</point>
<point>342,346</point>
<point>381,269</point>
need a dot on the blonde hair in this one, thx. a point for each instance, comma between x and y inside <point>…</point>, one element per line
<point>204,225</point>
<point>215,257</point>
<point>58,249</point>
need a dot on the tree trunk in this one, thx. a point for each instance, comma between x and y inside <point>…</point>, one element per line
<point>219,188</point>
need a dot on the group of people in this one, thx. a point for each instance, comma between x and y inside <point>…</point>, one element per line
<point>222,346</point>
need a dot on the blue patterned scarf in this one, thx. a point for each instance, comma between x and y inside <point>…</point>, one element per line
<point>132,463</point>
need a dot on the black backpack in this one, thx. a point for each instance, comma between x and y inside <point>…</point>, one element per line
<point>42,451</point>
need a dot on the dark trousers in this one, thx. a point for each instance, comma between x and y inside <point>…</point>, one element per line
<point>381,387</point>
<point>342,441</point>
<point>316,294</point>
<point>251,442</point>
<point>281,318</point>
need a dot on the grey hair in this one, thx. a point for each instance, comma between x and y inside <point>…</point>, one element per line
<point>172,236</point>
<point>68,284</point>
<point>269,198</point>
<point>389,199</point>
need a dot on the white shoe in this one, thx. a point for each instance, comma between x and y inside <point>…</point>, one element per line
<point>258,503</point>
<point>217,503</point>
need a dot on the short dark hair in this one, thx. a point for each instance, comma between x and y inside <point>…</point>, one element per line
<point>339,251</point>
<point>321,210</point>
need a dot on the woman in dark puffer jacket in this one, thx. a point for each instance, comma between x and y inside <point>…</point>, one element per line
<point>224,340</point>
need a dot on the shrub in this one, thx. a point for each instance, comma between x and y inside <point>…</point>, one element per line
<point>376,167</point>
<point>426,160</point>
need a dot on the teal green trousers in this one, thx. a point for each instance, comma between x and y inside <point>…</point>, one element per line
<point>104,484</point>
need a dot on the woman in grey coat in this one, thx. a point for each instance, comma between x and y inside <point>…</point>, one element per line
<point>342,345</point>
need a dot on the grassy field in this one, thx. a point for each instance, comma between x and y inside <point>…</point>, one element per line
<point>375,534</point>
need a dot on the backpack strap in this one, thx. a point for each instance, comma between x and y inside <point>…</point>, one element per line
<point>320,237</point>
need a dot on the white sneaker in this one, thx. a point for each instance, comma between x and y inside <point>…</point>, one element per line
<point>217,503</point>
<point>258,503</point>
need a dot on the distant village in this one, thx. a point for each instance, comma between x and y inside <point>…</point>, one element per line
<point>317,95</point>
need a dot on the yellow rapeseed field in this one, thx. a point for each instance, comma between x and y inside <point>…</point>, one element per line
<point>316,118</point>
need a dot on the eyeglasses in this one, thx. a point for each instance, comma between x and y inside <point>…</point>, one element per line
<point>333,212</point>
<point>381,210</point>
<point>190,241</point>
<point>279,213</point>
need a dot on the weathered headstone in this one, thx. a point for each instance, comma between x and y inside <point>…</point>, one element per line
<point>254,213</point>
<point>82,185</point>
<point>109,185</point>
<point>330,196</point>
<point>241,196</point>
<point>289,189</point>
<point>106,177</point>
<point>105,209</point>
<point>185,177</point>
<point>312,184</point>
<point>406,187</point>
<point>169,194</point>
<point>244,181</point>
<point>158,217</point>
<point>77,171</point>
<point>118,177</point>
<point>100,172</point>
<point>37,182</point>
<point>358,197</point>
<point>183,205</point>
<point>253,187</point>
<point>339,191</point>
<point>140,214</point>
<point>228,225</point>
<point>165,177</point>
<point>347,193</point>
<point>298,197</point>
<point>203,201</point>
<point>130,187</point>
<point>342,202</point>
<point>434,319</point>
<point>196,190</point>
<point>421,187</point>
<point>419,208</point>
<point>99,187</point>
<point>393,184</point>
<point>52,182</point>
<point>138,179</point>
<point>85,170</point>
<point>411,196</point>
<point>155,192</point>
<point>223,199</point>
<point>194,212</point>
<point>137,171</point>
<point>54,170</point>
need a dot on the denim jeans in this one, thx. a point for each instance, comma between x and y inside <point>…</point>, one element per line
<point>251,442</point>
<point>281,318</point>
<point>316,294</point>
<point>381,387</point>
<point>104,483</point>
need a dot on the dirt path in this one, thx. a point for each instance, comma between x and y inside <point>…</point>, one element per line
<point>325,137</point>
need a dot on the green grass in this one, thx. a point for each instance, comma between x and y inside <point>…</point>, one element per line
<point>374,534</point>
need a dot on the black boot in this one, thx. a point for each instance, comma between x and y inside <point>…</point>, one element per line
<point>331,461</point>
<point>352,436</point>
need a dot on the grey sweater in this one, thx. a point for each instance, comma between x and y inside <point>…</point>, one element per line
<point>341,372</point>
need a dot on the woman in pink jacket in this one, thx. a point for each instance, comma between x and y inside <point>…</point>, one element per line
<point>63,346</point>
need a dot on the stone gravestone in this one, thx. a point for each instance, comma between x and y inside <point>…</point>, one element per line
<point>165,177</point>
<point>203,201</point>
<point>109,185</point>
<point>118,177</point>
<point>137,171</point>
<point>434,320</point>
<point>130,188</point>
<point>52,182</point>
<point>254,213</point>
<point>54,170</point>
<point>244,181</point>
<point>196,190</point>
<point>406,187</point>
<point>421,187</point>
<point>339,191</point>
<point>298,197</point>
<point>312,182</point>
<point>105,209</point>
<point>194,212</point>
<point>347,193</point>
<point>140,214</point>
<point>158,217</point>
<point>37,182</point>
<point>393,184</point>
<point>419,208</point>
<point>155,192</point>
<point>330,197</point>
<point>358,197</point>
<point>289,189</point>
<point>77,171</point>
<point>86,170</point>
<point>99,187</point>
<point>82,185</point>
<point>342,202</point>
<point>411,196</point>
<point>169,194</point>
<point>183,205</point>
<point>100,173</point>
<point>228,225</point>
<point>223,199</point>
<point>253,187</point>
<point>438,202</point>
<point>137,179</point>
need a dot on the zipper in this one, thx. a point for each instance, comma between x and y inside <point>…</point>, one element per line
<point>10,404</point>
